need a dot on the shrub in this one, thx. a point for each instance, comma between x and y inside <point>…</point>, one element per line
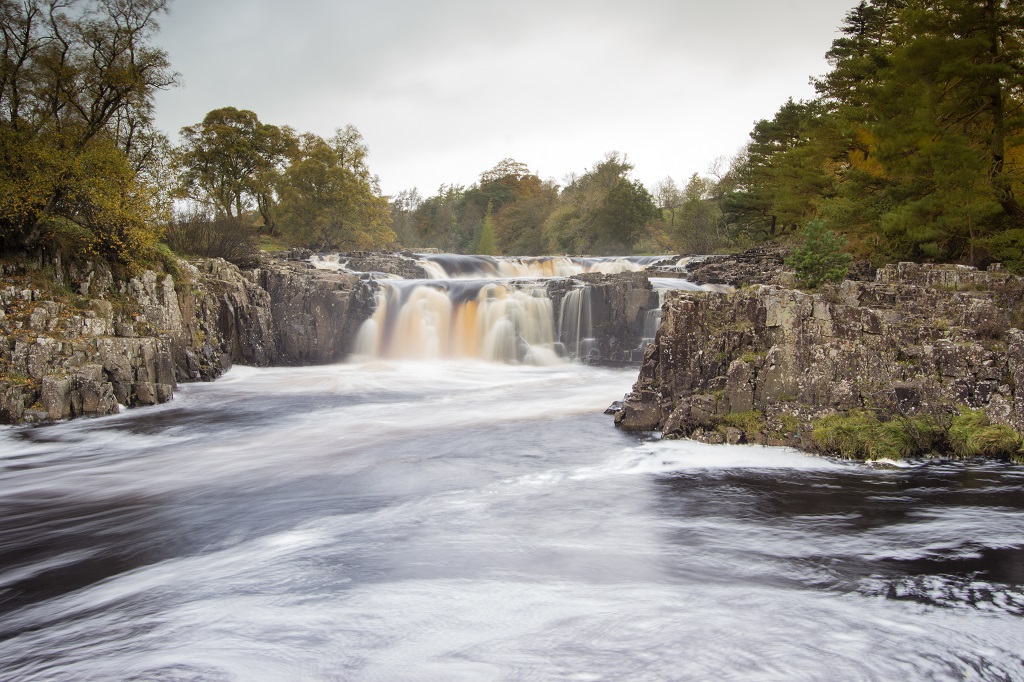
<point>194,232</point>
<point>819,258</point>
<point>750,422</point>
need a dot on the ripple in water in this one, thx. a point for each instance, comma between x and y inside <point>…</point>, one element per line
<point>474,521</point>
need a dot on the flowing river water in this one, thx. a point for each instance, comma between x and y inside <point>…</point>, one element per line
<point>459,519</point>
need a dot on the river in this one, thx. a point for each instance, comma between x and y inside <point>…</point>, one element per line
<point>458,519</point>
<point>478,521</point>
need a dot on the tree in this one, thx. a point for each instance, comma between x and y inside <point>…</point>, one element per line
<point>519,224</point>
<point>870,34</point>
<point>231,161</point>
<point>668,198</point>
<point>402,207</point>
<point>819,258</point>
<point>947,105</point>
<point>504,170</point>
<point>780,174</point>
<point>329,199</point>
<point>77,81</point>
<point>701,226</point>
<point>486,245</point>
<point>438,222</point>
<point>601,211</point>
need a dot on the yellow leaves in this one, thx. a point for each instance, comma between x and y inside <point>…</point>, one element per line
<point>863,157</point>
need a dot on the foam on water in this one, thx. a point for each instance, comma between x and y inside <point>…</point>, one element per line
<point>470,520</point>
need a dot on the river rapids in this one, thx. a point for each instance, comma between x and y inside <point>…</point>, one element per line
<point>457,519</point>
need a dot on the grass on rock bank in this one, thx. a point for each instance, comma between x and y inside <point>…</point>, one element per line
<point>969,433</point>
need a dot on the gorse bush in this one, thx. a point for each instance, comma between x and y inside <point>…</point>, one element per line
<point>819,258</point>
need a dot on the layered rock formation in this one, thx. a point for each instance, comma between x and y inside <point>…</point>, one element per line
<point>76,343</point>
<point>765,362</point>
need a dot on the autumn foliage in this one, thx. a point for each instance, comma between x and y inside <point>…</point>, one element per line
<point>78,155</point>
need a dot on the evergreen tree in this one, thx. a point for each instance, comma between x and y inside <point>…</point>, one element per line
<point>819,258</point>
<point>485,245</point>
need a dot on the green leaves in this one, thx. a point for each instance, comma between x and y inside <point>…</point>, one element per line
<point>819,258</point>
<point>231,160</point>
<point>915,150</point>
<point>329,199</point>
<point>602,211</point>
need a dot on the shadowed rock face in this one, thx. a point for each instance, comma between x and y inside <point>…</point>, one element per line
<point>918,340</point>
<point>316,314</point>
<point>93,345</point>
<point>617,303</point>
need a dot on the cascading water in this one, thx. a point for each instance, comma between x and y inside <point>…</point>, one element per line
<point>486,320</point>
<point>455,266</point>
<point>575,324</point>
<point>473,307</point>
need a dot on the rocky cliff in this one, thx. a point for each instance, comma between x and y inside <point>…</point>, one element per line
<point>75,342</point>
<point>918,345</point>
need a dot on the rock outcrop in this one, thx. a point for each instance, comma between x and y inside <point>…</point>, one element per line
<point>765,362</point>
<point>619,304</point>
<point>316,313</point>
<point>76,343</point>
<point>761,265</point>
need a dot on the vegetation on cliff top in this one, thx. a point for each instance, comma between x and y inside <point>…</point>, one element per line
<point>80,162</point>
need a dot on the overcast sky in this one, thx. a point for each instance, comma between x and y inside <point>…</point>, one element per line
<point>443,90</point>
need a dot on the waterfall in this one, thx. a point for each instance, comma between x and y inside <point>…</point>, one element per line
<point>469,319</point>
<point>459,266</point>
<point>575,324</point>
<point>511,310</point>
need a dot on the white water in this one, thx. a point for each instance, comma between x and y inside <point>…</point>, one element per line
<point>489,321</point>
<point>445,518</point>
<point>458,266</point>
<point>481,521</point>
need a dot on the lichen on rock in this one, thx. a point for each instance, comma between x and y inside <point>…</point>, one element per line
<point>918,341</point>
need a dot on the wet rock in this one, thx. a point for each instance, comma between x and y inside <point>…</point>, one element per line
<point>760,265</point>
<point>403,264</point>
<point>316,313</point>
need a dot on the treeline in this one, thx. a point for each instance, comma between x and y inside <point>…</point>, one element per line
<point>84,171</point>
<point>512,211</point>
<point>81,167</point>
<point>912,150</point>
<point>247,177</point>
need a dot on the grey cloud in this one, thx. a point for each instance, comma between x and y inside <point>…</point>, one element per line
<point>439,89</point>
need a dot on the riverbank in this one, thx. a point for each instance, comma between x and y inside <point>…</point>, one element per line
<point>468,520</point>
<point>921,359</point>
<point>78,343</point>
<point>906,361</point>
